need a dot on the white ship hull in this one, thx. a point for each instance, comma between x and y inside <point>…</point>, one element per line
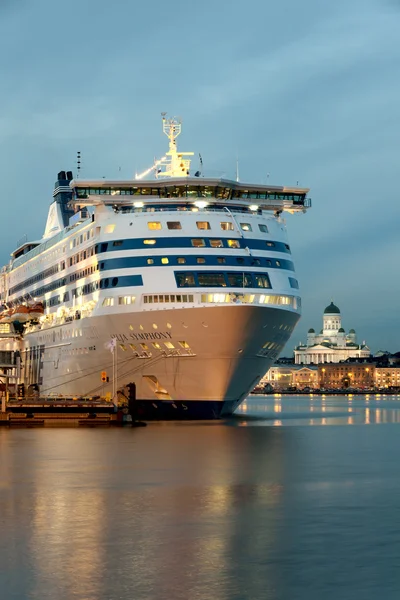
<point>223,361</point>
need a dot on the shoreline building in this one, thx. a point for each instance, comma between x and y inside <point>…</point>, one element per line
<point>332,344</point>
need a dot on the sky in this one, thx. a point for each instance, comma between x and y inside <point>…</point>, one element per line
<point>305,92</point>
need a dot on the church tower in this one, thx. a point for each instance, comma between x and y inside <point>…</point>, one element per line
<point>332,320</point>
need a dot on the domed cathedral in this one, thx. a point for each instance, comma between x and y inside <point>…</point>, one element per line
<point>332,344</point>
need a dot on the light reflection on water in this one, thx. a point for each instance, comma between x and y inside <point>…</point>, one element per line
<point>261,506</point>
<point>316,409</point>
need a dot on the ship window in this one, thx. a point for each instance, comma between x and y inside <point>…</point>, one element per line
<point>216,244</point>
<point>233,244</point>
<point>201,260</point>
<point>278,264</point>
<point>198,243</point>
<point>126,299</point>
<point>156,345</point>
<point>240,280</point>
<point>114,281</point>
<point>293,283</point>
<point>221,260</point>
<point>185,279</point>
<point>109,228</point>
<point>164,261</point>
<point>227,226</point>
<point>269,263</point>
<point>144,346</point>
<point>108,302</point>
<point>246,226</point>
<point>262,281</point>
<point>179,298</point>
<point>150,261</point>
<point>271,244</point>
<point>154,225</point>
<point>149,242</point>
<point>211,280</point>
<point>169,345</point>
<point>287,247</point>
<point>181,260</point>
<point>240,261</point>
<point>118,243</point>
<point>184,344</point>
<point>203,225</point>
<point>174,225</point>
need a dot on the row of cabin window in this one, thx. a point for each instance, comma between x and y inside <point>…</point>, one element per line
<point>122,300</point>
<point>39,277</point>
<point>80,239</point>
<point>196,243</point>
<point>73,260</point>
<point>225,226</point>
<point>201,260</point>
<point>155,298</point>
<point>222,279</point>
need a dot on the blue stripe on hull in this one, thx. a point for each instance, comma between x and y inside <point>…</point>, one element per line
<point>168,410</point>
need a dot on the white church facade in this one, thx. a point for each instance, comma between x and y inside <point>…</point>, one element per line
<point>332,344</point>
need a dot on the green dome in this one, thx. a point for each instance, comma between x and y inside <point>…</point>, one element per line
<point>332,309</point>
<point>341,330</point>
<point>311,330</point>
<point>352,331</point>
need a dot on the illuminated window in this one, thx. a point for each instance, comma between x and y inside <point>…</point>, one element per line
<point>174,225</point>
<point>150,261</point>
<point>184,344</point>
<point>201,260</point>
<point>164,261</point>
<point>156,345</point>
<point>181,260</point>
<point>109,228</point>
<point>270,244</point>
<point>149,242</point>
<point>126,300</point>
<point>216,244</point>
<point>221,260</point>
<point>233,244</point>
<point>108,302</point>
<point>155,326</point>
<point>185,279</point>
<point>227,226</point>
<point>154,225</point>
<point>144,346</point>
<point>132,347</point>
<point>203,225</point>
<point>169,345</point>
<point>198,243</point>
<point>246,226</point>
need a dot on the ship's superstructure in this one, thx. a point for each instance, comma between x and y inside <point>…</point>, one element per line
<point>183,285</point>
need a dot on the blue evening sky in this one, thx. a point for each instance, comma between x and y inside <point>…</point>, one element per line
<point>304,92</point>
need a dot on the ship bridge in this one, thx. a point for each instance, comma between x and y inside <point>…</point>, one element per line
<point>190,192</point>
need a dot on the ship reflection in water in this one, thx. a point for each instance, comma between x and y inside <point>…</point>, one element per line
<point>207,510</point>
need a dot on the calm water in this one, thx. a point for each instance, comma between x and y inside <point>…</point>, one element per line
<point>296,498</point>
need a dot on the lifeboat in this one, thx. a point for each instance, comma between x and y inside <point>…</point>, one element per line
<point>36,310</point>
<point>20,314</point>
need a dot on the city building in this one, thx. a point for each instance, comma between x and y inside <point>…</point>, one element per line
<point>347,375</point>
<point>332,344</point>
<point>387,377</point>
<point>282,377</point>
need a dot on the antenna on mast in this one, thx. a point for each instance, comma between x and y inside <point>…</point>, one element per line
<point>237,168</point>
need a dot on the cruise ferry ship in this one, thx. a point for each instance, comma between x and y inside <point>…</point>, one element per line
<point>181,284</point>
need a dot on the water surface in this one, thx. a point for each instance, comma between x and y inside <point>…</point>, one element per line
<point>295,498</point>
